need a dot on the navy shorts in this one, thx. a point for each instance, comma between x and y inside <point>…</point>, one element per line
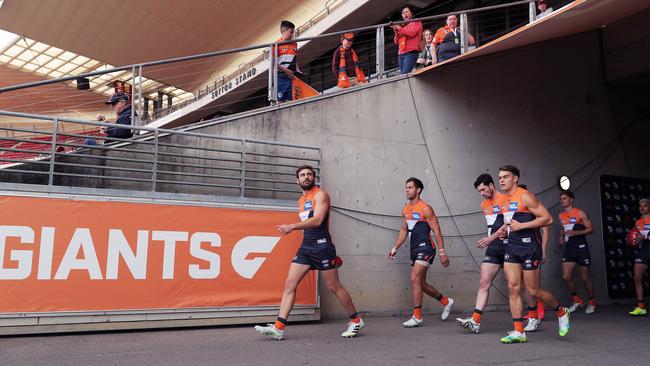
<point>529,255</point>
<point>319,256</point>
<point>285,91</point>
<point>495,253</point>
<point>422,252</point>
<point>642,256</point>
<point>578,253</point>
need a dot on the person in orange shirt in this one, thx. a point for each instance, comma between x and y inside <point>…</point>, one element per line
<point>419,221</point>
<point>287,62</point>
<point>494,252</point>
<point>642,259</point>
<point>536,309</point>
<point>524,215</point>
<point>575,224</point>
<point>407,38</point>
<point>447,40</point>
<point>317,252</point>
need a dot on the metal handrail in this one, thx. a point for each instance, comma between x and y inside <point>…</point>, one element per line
<point>249,48</point>
<point>222,80</point>
<point>148,158</point>
<point>219,82</point>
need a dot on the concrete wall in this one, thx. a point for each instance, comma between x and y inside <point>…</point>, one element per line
<point>528,107</point>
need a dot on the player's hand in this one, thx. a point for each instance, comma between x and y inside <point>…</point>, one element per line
<point>515,225</point>
<point>285,228</point>
<point>444,260</point>
<point>561,240</point>
<point>502,232</point>
<point>637,240</point>
<point>570,233</point>
<point>543,258</point>
<point>484,242</point>
<point>391,254</point>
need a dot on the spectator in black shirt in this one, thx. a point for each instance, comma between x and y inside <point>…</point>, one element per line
<point>120,103</point>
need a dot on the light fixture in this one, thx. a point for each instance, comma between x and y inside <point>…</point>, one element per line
<point>565,183</point>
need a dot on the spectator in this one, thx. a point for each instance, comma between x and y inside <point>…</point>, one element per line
<point>407,38</point>
<point>543,8</point>
<point>122,108</point>
<point>346,68</point>
<point>447,40</point>
<point>287,63</point>
<point>428,55</point>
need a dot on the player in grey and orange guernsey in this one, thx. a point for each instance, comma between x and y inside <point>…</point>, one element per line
<point>641,242</point>
<point>316,252</point>
<point>495,252</point>
<point>523,215</point>
<point>419,221</point>
<point>575,224</point>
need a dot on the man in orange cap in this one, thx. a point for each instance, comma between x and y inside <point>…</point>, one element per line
<point>345,64</point>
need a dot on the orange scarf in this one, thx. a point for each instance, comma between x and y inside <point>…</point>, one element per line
<point>344,81</point>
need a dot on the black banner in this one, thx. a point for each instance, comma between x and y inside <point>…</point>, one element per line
<point>620,210</point>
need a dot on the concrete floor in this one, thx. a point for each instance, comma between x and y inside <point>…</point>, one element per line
<point>606,338</point>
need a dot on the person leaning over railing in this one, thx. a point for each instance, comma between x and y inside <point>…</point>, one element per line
<point>428,55</point>
<point>122,108</point>
<point>345,64</point>
<point>544,9</point>
<point>447,40</point>
<point>407,38</point>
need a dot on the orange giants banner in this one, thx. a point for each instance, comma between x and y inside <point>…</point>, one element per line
<point>67,255</point>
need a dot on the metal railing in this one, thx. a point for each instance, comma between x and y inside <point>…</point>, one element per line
<point>154,160</point>
<point>249,65</point>
<point>265,58</point>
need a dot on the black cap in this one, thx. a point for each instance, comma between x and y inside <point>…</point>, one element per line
<point>116,98</point>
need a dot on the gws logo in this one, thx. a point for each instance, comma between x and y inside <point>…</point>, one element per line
<point>251,244</point>
<point>308,205</point>
<point>495,209</point>
<point>573,220</point>
<point>415,216</point>
<point>513,206</point>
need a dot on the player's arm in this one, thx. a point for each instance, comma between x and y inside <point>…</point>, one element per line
<point>589,226</point>
<point>542,216</point>
<point>322,200</point>
<point>403,233</point>
<point>502,232</point>
<point>484,242</point>
<point>562,233</point>
<point>432,220</point>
